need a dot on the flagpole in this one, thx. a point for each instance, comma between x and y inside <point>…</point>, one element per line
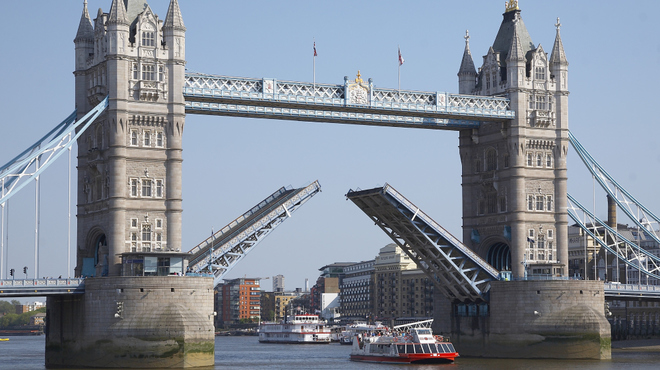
<point>314,66</point>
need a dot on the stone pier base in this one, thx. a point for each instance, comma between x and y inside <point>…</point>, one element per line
<point>133,322</point>
<point>532,319</point>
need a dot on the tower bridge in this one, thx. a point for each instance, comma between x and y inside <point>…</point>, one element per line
<point>512,119</point>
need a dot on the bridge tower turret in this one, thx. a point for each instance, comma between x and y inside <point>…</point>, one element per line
<point>129,163</point>
<point>514,173</point>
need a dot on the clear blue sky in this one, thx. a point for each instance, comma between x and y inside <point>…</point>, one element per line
<point>230,164</point>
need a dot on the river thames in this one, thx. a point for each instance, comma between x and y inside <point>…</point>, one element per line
<point>247,353</point>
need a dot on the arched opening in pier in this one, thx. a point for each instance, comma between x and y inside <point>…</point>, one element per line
<point>499,256</point>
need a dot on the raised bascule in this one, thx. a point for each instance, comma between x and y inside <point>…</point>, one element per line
<point>512,119</point>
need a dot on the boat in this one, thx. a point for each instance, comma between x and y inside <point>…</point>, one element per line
<point>360,327</point>
<point>302,328</point>
<point>4,339</point>
<point>413,345</point>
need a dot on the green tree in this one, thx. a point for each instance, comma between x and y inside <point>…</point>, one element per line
<point>6,307</point>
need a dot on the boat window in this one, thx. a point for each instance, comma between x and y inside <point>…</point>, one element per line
<point>451,347</point>
<point>427,348</point>
<point>409,348</point>
<point>418,348</point>
<point>434,348</point>
<point>424,331</point>
<point>444,347</point>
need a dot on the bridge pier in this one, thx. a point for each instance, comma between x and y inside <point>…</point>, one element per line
<point>133,322</point>
<point>563,319</point>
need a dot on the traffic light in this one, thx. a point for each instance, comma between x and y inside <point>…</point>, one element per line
<point>25,270</point>
<point>11,272</point>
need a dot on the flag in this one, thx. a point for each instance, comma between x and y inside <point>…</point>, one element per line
<point>530,240</point>
<point>400,58</point>
<point>315,49</point>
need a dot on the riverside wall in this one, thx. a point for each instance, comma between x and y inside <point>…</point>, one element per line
<point>133,322</point>
<point>532,319</point>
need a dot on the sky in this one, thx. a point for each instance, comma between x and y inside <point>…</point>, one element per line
<point>231,164</point>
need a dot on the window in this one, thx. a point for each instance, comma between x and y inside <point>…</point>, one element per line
<point>548,160</point>
<point>539,73</point>
<point>529,160</point>
<point>134,222</point>
<point>530,203</point>
<point>146,188</point>
<point>549,203</point>
<point>136,71</point>
<point>134,237</point>
<point>146,233</point>
<point>539,203</point>
<point>477,166</point>
<point>531,233</point>
<point>487,81</point>
<point>491,201</point>
<point>538,160</point>
<point>481,206</point>
<point>161,73</point>
<point>134,187</point>
<point>148,39</point>
<point>147,138</point>
<point>148,72</point>
<point>159,237</point>
<point>550,235</point>
<point>540,243</point>
<point>159,139</point>
<point>159,188</point>
<point>502,204</point>
<point>134,138</point>
<point>491,160</point>
<point>541,102</point>
<point>159,223</point>
<point>506,160</point>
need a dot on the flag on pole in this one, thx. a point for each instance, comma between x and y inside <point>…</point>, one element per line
<point>315,49</point>
<point>401,60</point>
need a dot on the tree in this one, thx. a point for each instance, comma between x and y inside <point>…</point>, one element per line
<point>6,307</point>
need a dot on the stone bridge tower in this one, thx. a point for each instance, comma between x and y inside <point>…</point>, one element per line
<point>129,162</point>
<point>514,173</point>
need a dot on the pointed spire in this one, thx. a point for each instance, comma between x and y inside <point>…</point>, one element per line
<point>558,55</point>
<point>515,51</point>
<point>85,29</point>
<point>173,19</point>
<point>467,64</point>
<point>117,13</point>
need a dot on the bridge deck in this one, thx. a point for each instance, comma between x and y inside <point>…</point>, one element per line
<point>271,98</point>
<point>221,251</point>
<point>458,272</point>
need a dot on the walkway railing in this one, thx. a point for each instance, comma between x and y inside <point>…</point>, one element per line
<point>41,287</point>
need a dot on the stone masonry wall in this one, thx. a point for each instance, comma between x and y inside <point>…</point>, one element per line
<point>134,322</point>
<point>536,319</point>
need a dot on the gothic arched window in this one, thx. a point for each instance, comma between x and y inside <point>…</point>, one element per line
<point>491,160</point>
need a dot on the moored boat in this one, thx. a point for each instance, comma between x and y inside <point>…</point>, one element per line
<point>415,345</point>
<point>303,328</point>
<point>360,327</point>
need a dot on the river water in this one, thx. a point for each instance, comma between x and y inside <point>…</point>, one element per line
<point>27,353</point>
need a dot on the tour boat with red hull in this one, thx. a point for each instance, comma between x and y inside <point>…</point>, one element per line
<point>417,346</point>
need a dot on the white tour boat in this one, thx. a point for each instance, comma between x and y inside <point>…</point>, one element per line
<point>302,328</point>
<point>415,345</point>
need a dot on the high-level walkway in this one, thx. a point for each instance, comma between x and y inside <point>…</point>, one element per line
<point>355,102</point>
